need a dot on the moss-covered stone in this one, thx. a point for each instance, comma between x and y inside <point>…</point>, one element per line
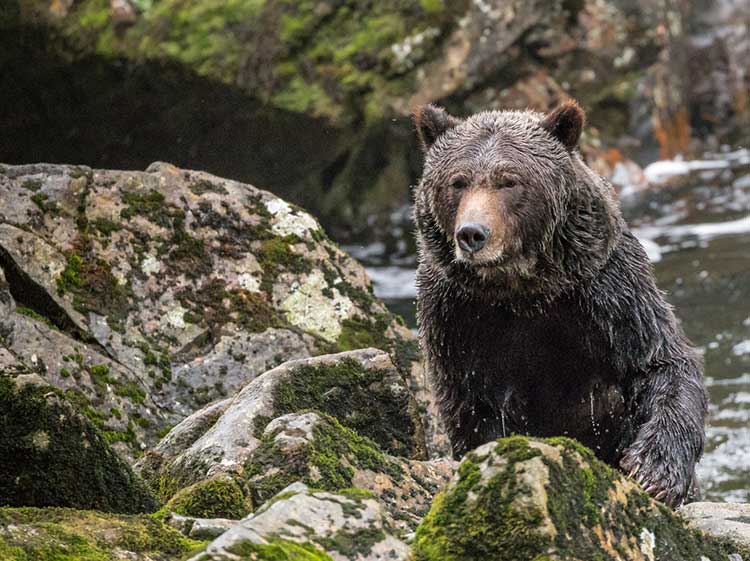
<point>50,455</point>
<point>521,499</point>
<point>362,399</point>
<point>219,497</point>
<point>60,534</point>
<point>150,205</point>
<point>352,526</point>
<point>326,462</point>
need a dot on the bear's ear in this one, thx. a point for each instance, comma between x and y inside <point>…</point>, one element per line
<point>565,123</point>
<point>432,121</point>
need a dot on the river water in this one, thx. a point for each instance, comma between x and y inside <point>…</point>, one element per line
<point>697,234</point>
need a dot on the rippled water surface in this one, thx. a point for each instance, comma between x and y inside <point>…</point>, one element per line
<point>698,237</point>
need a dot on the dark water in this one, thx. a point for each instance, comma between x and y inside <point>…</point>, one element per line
<point>698,237</point>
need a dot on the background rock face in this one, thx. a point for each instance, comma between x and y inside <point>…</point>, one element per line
<point>311,99</point>
<point>149,294</point>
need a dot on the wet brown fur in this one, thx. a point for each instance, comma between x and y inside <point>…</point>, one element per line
<point>556,326</point>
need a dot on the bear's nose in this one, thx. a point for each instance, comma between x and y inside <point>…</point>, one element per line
<point>471,236</point>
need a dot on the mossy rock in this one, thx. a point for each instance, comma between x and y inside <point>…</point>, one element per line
<point>303,524</point>
<point>325,458</point>
<point>219,497</point>
<point>60,534</point>
<point>520,499</point>
<point>374,402</point>
<point>50,455</point>
<point>362,390</point>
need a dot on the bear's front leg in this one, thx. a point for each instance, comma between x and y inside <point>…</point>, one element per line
<point>672,409</point>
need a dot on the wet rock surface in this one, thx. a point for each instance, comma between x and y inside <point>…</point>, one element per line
<point>721,520</point>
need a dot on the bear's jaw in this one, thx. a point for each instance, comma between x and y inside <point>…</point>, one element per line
<point>504,273</point>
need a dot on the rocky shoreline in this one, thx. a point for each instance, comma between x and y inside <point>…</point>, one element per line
<point>190,368</point>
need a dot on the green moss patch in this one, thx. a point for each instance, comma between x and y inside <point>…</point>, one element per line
<point>214,304</point>
<point>219,497</point>
<point>58,534</point>
<point>361,399</point>
<point>327,463</point>
<point>479,521</point>
<point>94,288</point>
<point>279,550</point>
<point>52,456</point>
<point>203,186</point>
<point>151,205</point>
<point>275,255</point>
<point>105,227</point>
<point>187,253</point>
<point>353,545</point>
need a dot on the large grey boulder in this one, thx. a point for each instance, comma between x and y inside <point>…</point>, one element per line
<point>150,294</point>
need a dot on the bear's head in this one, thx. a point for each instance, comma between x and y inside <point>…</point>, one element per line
<point>506,200</point>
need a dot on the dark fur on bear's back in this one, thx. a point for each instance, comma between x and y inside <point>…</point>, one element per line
<point>555,325</point>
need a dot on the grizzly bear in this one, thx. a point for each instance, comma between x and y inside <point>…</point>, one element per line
<point>537,308</point>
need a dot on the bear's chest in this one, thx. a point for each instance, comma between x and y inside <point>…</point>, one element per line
<point>543,375</point>
<point>559,345</point>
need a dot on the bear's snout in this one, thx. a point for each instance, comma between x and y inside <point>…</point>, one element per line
<point>472,236</point>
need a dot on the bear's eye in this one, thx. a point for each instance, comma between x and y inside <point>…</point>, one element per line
<point>506,183</point>
<point>460,183</point>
